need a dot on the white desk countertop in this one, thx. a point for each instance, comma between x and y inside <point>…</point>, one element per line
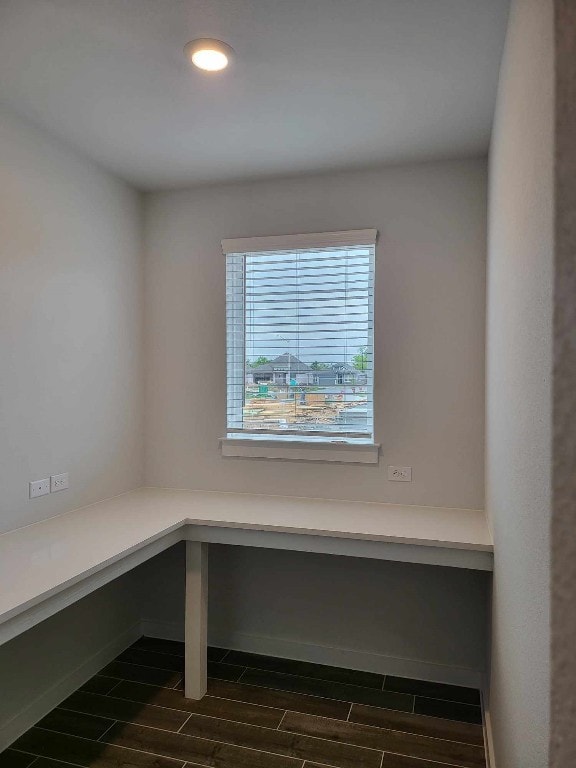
<point>53,558</point>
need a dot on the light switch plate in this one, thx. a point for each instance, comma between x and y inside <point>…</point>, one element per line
<point>58,482</point>
<point>400,474</point>
<point>39,487</point>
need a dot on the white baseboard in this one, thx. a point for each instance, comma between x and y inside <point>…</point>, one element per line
<point>489,740</point>
<point>322,654</point>
<point>61,689</point>
<point>165,630</point>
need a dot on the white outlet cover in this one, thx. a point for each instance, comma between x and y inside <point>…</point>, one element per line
<point>39,487</point>
<point>400,474</point>
<point>58,482</point>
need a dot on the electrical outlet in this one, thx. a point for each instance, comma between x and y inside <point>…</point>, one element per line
<point>58,482</point>
<point>39,487</point>
<point>400,474</point>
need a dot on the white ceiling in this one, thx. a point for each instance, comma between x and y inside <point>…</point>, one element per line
<point>317,84</point>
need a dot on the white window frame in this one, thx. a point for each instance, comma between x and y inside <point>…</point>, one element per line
<point>362,448</point>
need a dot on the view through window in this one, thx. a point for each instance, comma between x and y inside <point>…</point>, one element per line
<point>300,343</point>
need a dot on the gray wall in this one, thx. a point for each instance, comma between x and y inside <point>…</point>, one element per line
<point>429,329</point>
<point>430,313</point>
<point>351,612</point>
<point>519,375</point>
<point>71,386</point>
<point>50,661</point>
<point>70,327</point>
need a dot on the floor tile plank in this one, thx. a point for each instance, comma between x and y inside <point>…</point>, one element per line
<point>267,697</point>
<point>451,710</point>
<point>47,762</point>
<point>402,761</point>
<point>90,754</point>
<point>161,664</point>
<point>12,759</point>
<point>433,690</point>
<point>394,761</point>
<point>423,725</point>
<point>305,669</point>
<point>424,747</point>
<point>214,707</point>
<point>174,647</point>
<point>327,689</point>
<point>280,742</point>
<point>76,723</point>
<point>308,764</point>
<point>127,760</point>
<point>126,711</point>
<point>195,750</point>
<point>153,659</point>
<point>140,674</point>
<point>169,662</point>
<point>222,671</point>
<point>99,684</point>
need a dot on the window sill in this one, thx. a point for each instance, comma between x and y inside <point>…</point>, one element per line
<point>296,450</point>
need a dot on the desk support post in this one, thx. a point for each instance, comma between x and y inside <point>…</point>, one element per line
<point>196,620</point>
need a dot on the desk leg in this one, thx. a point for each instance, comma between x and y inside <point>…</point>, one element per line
<point>196,615</point>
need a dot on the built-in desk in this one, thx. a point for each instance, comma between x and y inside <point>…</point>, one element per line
<point>49,565</point>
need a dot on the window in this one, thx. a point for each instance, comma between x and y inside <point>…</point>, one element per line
<point>300,337</point>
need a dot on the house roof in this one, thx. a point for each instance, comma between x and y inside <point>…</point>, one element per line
<point>337,368</point>
<point>343,367</point>
<point>283,363</point>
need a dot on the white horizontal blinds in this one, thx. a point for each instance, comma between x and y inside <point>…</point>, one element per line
<point>235,339</point>
<point>300,340</point>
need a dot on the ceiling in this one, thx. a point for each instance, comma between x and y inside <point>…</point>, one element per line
<point>317,84</point>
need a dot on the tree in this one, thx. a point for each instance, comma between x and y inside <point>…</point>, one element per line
<point>259,361</point>
<point>360,360</point>
<point>316,366</point>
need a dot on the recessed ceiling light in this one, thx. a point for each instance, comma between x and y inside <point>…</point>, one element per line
<point>207,54</point>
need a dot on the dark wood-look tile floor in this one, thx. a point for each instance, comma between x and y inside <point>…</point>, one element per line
<point>259,712</point>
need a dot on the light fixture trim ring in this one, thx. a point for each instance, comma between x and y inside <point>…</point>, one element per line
<point>208,44</point>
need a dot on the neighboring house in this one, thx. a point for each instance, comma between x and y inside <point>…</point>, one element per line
<point>339,373</point>
<point>281,371</point>
<point>286,368</point>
